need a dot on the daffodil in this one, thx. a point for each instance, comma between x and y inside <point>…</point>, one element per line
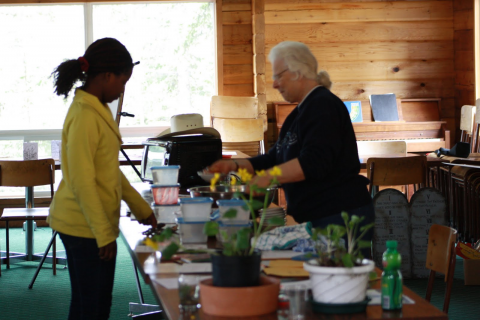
<point>275,172</point>
<point>233,180</point>
<point>261,173</point>
<point>244,175</point>
<point>152,244</point>
<point>214,180</point>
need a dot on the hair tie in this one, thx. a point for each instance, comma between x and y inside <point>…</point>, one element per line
<point>83,64</point>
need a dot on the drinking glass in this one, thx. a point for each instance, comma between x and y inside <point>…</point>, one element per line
<point>297,296</point>
<point>189,292</point>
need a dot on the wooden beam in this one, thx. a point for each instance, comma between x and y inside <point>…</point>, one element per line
<point>219,45</point>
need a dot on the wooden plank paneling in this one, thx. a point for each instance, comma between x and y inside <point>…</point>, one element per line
<point>465,60</point>
<point>464,40</point>
<point>386,70</point>
<point>237,74</point>
<point>361,32</point>
<point>237,5</point>
<point>463,20</point>
<point>294,12</point>
<point>238,90</point>
<point>361,90</point>
<point>462,5</point>
<point>237,17</point>
<point>447,108</point>
<point>367,51</point>
<point>237,54</point>
<point>237,34</point>
<point>465,79</point>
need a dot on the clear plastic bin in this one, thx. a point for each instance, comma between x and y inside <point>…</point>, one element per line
<point>231,227</point>
<point>196,209</point>
<point>166,213</point>
<point>237,204</point>
<point>191,231</point>
<point>163,194</point>
<point>165,175</point>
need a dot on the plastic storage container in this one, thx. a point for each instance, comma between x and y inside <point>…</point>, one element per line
<point>196,209</point>
<point>231,227</point>
<point>166,213</point>
<point>191,231</point>
<point>165,175</point>
<point>165,194</point>
<point>237,204</point>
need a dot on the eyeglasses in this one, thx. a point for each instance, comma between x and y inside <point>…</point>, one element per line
<point>277,76</point>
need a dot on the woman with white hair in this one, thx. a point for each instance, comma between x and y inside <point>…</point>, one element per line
<point>316,148</point>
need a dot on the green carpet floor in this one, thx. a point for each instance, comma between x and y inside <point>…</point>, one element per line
<point>49,299</point>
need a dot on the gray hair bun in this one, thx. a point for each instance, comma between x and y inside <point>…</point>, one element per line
<point>323,79</point>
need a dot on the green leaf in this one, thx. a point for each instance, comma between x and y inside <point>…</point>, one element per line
<point>227,249</point>
<point>276,221</point>
<point>367,226</point>
<point>230,213</point>
<point>347,260</point>
<point>243,238</point>
<point>168,232</point>
<point>158,237</point>
<point>364,244</point>
<point>211,228</point>
<point>256,204</point>
<point>170,250</point>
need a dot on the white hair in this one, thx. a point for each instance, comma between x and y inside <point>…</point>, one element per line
<point>298,58</point>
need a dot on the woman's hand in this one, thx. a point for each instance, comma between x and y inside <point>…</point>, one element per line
<point>151,220</point>
<point>108,252</point>
<point>223,166</point>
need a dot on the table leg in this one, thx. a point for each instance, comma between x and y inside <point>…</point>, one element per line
<point>29,239</point>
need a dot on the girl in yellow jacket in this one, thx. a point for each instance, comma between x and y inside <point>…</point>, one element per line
<point>86,208</point>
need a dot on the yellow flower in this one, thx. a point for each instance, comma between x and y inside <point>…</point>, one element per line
<point>152,244</point>
<point>275,172</point>
<point>244,175</point>
<point>261,173</point>
<point>214,180</point>
<point>233,180</point>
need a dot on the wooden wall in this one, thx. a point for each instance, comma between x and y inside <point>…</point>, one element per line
<point>415,49</point>
<point>464,56</point>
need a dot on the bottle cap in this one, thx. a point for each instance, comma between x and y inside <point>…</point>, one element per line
<point>392,244</point>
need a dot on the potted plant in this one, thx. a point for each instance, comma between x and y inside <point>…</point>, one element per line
<point>339,275</point>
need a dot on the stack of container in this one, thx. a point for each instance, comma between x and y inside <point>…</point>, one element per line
<point>232,225</point>
<point>165,191</point>
<point>195,213</point>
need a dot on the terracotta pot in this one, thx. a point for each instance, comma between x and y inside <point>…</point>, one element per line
<point>241,301</point>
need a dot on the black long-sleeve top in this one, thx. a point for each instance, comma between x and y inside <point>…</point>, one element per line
<point>320,134</point>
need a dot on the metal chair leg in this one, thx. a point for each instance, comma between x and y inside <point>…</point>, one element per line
<point>52,240</point>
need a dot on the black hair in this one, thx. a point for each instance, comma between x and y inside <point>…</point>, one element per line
<point>104,55</point>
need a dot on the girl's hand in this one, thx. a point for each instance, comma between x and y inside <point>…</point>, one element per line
<point>151,220</point>
<point>108,252</point>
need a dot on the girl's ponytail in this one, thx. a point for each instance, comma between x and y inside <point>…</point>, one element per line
<point>66,75</point>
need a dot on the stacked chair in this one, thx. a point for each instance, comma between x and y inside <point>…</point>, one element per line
<point>239,124</point>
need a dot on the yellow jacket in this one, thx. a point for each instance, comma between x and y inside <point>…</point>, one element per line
<point>87,202</point>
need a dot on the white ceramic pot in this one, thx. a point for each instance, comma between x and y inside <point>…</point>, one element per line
<point>339,285</point>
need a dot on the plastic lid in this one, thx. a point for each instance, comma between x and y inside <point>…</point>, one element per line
<point>230,202</point>
<point>195,200</point>
<point>165,185</point>
<point>165,167</point>
<point>391,244</point>
<point>179,220</point>
<point>234,223</point>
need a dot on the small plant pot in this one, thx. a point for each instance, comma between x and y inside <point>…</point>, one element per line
<point>339,284</point>
<point>236,271</point>
<point>240,302</point>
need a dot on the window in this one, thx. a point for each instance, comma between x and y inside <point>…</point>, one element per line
<point>174,42</point>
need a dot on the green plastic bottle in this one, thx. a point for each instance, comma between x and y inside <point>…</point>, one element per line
<point>392,278</point>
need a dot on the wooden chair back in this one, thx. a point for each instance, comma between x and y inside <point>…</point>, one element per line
<point>381,147</point>
<point>234,107</point>
<point>441,258</point>
<point>396,171</point>
<point>27,173</point>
